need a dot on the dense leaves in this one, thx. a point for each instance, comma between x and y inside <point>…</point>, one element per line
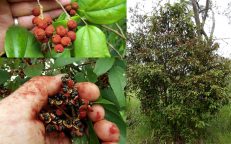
<point>181,81</point>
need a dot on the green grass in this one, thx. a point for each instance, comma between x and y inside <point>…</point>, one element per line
<point>138,131</point>
<point>219,131</point>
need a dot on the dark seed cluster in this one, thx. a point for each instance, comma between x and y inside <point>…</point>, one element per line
<point>66,111</point>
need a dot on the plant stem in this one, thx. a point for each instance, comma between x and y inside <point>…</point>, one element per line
<point>121,57</point>
<point>49,47</point>
<point>68,16</point>
<point>115,31</point>
<point>41,9</point>
<point>82,19</point>
<point>121,31</point>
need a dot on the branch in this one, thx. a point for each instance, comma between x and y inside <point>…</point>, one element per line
<point>116,32</point>
<point>206,13</point>
<point>121,31</point>
<point>196,16</point>
<point>121,57</point>
<point>213,26</point>
<point>41,8</point>
<point>68,16</point>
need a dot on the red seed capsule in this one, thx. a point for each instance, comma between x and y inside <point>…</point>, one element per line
<point>39,34</point>
<point>71,35</point>
<point>75,5</point>
<point>60,30</point>
<point>71,24</point>
<point>42,24</point>
<point>72,12</point>
<point>50,30</point>
<point>59,48</point>
<point>65,41</point>
<point>48,20</point>
<point>59,112</point>
<point>36,11</point>
<point>68,7</point>
<point>56,39</point>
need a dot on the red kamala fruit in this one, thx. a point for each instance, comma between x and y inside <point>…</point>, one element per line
<point>36,11</point>
<point>72,12</point>
<point>60,30</point>
<point>48,20</point>
<point>68,7</point>
<point>50,30</point>
<point>42,24</point>
<point>56,39</point>
<point>71,35</point>
<point>39,34</point>
<point>71,24</point>
<point>75,5</point>
<point>59,48</point>
<point>65,41</point>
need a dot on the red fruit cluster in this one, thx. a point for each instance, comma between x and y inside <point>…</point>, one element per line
<point>72,8</point>
<point>64,36</point>
<point>61,37</point>
<point>43,29</point>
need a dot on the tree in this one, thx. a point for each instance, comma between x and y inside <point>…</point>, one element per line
<point>181,80</point>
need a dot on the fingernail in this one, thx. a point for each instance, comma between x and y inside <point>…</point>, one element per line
<point>65,2</point>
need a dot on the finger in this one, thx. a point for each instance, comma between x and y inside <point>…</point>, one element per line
<point>6,20</point>
<point>56,138</point>
<point>25,8</point>
<point>109,143</point>
<point>26,21</point>
<point>32,96</point>
<point>107,131</point>
<point>97,114</point>
<point>88,91</point>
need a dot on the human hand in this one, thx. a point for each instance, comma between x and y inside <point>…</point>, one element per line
<point>21,9</point>
<point>19,114</point>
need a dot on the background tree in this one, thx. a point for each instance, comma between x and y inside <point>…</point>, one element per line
<point>181,79</point>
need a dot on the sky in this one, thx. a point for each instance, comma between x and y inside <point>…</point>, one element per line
<point>222,31</point>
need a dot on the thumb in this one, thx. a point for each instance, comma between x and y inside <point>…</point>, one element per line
<point>32,96</point>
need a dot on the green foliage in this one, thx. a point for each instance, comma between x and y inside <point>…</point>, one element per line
<point>100,12</point>
<point>91,42</point>
<point>21,43</point>
<point>219,129</point>
<point>182,81</point>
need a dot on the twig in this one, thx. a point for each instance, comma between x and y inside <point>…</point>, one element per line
<point>82,19</point>
<point>68,16</point>
<point>115,50</point>
<point>49,47</point>
<point>41,9</point>
<point>121,31</point>
<point>116,32</point>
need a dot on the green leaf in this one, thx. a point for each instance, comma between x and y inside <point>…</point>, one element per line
<point>103,65</point>
<point>103,101</point>
<point>34,70</point>
<point>62,20</point>
<point>65,54</point>
<point>109,95</point>
<point>91,76</point>
<point>4,76</point>
<point>60,62</point>
<point>93,139</point>
<point>103,11</point>
<point>80,140</point>
<point>20,43</point>
<point>80,77</point>
<point>117,81</point>
<point>113,115</point>
<point>90,42</point>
